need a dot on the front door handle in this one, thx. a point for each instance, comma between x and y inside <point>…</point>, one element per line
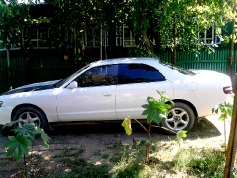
<point>163,92</point>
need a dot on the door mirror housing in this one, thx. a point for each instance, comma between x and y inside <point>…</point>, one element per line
<point>73,85</point>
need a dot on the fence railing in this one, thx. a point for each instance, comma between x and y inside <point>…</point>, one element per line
<point>217,61</point>
<point>23,69</point>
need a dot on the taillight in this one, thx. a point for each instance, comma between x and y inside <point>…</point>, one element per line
<point>228,90</point>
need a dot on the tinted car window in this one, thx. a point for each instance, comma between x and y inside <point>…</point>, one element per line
<point>138,73</point>
<point>97,76</point>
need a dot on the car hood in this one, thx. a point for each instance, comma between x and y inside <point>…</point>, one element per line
<point>33,87</point>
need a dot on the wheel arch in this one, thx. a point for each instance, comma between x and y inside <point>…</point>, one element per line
<point>27,105</point>
<point>189,104</point>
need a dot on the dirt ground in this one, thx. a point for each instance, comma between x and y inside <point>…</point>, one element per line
<point>99,140</point>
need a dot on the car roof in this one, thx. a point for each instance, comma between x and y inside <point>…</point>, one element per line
<point>124,60</point>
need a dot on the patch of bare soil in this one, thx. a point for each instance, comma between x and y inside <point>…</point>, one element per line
<point>97,143</point>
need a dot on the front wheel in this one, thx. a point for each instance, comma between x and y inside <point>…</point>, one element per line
<point>31,115</point>
<point>180,117</point>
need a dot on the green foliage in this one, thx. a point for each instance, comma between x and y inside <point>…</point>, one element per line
<point>225,110</point>
<point>18,146</point>
<point>25,134</point>
<point>13,18</point>
<point>140,51</point>
<point>148,20</point>
<point>180,135</point>
<point>156,110</point>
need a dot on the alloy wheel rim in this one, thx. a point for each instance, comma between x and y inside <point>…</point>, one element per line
<point>177,119</point>
<point>29,117</point>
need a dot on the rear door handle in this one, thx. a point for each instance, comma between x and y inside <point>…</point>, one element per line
<point>107,94</point>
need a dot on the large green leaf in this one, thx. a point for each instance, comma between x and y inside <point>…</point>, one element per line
<point>12,123</point>
<point>156,110</point>
<point>44,136</point>
<point>29,130</point>
<point>18,145</point>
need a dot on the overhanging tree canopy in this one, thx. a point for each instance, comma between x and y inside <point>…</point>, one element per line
<point>171,23</point>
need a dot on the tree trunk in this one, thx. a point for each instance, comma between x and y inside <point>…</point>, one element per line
<point>230,70</point>
<point>147,42</point>
<point>231,149</point>
<point>148,144</point>
<point>175,46</point>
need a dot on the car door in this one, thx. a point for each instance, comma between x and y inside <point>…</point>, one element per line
<point>94,99</point>
<point>135,83</point>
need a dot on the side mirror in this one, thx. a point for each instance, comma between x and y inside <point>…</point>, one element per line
<point>72,85</point>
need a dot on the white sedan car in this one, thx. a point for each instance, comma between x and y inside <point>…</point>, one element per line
<point>110,90</point>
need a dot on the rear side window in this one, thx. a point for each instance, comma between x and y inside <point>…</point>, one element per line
<point>98,76</point>
<point>138,73</point>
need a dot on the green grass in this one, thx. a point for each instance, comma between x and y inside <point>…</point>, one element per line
<point>189,161</point>
<point>208,163</point>
<point>97,153</point>
<point>81,168</point>
<point>129,162</point>
<point>105,156</point>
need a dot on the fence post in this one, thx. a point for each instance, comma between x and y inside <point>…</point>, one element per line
<point>8,66</point>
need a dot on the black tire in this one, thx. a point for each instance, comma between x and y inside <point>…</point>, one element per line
<point>6,131</point>
<point>180,117</point>
<point>32,114</point>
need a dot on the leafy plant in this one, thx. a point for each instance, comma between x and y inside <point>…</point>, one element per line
<point>180,135</point>
<point>154,111</point>
<point>226,111</point>
<point>18,145</point>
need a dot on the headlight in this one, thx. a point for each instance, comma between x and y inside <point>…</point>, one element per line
<point>1,103</point>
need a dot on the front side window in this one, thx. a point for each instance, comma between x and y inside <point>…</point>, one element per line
<point>98,76</point>
<point>138,73</point>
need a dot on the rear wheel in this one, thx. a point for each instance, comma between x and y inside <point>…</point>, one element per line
<point>180,117</point>
<point>31,115</point>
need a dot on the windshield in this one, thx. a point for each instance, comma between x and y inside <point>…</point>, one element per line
<point>179,69</point>
<point>61,82</point>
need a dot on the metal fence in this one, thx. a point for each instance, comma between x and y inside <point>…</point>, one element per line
<point>20,69</point>
<point>217,61</point>
<point>17,69</point>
